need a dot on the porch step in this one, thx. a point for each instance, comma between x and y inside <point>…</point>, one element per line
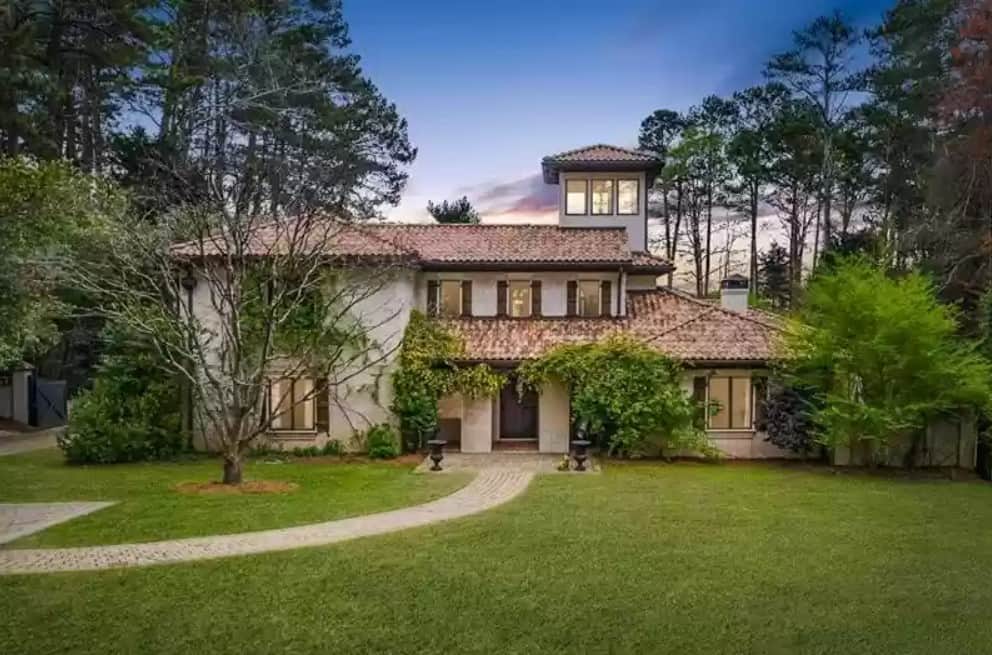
<point>515,446</point>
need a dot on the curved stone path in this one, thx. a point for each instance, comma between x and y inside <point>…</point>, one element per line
<point>490,488</point>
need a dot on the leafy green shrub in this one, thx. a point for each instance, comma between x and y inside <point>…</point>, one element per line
<point>382,442</point>
<point>306,451</point>
<point>882,356</point>
<point>132,413</point>
<point>628,396</point>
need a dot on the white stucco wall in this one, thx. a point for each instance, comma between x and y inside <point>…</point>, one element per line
<point>635,223</point>
<point>359,401</point>
<point>358,398</point>
<point>642,282</point>
<point>553,418</point>
<point>477,425</point>
<point>554,289</point>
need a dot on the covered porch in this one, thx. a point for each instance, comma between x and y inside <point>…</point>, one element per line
<point>536,421</point>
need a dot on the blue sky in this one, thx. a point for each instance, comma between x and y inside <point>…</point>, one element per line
<point>489,88</point>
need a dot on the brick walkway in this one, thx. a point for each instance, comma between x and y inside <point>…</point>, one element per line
<point>490,488</point>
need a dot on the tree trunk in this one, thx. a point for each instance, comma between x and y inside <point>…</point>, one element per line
<point>233,469</point>
<point>754,236</point>
<point>709,236</point>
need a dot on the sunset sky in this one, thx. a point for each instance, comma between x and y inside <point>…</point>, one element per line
<point>491,87</point>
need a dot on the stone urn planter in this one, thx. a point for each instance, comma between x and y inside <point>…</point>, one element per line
<point>436,447</point>
<point>580,453</point>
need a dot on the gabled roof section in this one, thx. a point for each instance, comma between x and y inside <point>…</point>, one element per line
<point>689,330</point>
<point>599,157</point>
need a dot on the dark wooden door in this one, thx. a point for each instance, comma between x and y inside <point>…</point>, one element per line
<point>517,415</point>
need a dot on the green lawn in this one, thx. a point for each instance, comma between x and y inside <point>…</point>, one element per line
<point>680,558</point>
<point>150,509</point>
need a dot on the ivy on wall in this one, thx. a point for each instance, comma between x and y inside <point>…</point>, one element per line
<point>628,397</point>
<point>427,371</point>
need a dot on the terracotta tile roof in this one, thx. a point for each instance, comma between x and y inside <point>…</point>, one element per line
<point>335,238</point>
<point>600,157</point>
<point>508,243</point>
<point>449,245</point>
<point>645,262</point>
<point>684,328</point>
<point>602,152</point>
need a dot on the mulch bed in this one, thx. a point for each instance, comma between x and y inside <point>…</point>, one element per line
<point>249,487</point>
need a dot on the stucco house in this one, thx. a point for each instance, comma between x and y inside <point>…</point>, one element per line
<point>511,292</point>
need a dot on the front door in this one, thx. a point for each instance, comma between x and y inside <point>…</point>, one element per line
<point>517,415</point>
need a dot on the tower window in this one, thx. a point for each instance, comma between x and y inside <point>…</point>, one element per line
<point>628,196</point>
<point>602,196</point>
<point>575,196</point>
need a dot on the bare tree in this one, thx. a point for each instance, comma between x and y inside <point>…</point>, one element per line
<point>245,302</point>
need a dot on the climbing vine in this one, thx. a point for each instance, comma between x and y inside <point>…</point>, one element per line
<point>628,397</point>
<point>427,371</point>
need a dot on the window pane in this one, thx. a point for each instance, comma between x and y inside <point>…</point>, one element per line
<point>720,399</point>
<point>450,302</point>
<point>589,298</point>
<point>303,409</point>
<point>520,298</point>
<point>279,402</point>
<point>602,196</point>
<point>575,197</point>
<point>627,199</point>
<point>741,394</point>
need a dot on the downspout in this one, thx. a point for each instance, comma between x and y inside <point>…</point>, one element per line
<point>622,293</point>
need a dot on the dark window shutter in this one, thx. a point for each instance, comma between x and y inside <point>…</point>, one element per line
<point>605,296</point>
<point>432,288</point>
<point>322,420</point>
<point>699,397</point>
<point>572,298</point>
<point>759,390</point>
<point>535,298</point>
<point>501,289</point>
<point>466,298</point>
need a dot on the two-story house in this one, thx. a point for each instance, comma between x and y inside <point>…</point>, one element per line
<point>511,292</point>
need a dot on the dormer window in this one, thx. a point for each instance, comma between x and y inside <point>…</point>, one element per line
<point>575,197</point>
<point>628,197</point>
<point>602,197</point>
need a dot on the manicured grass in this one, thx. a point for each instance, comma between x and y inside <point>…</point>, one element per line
<point>150,509</point>
<point>641,559</point>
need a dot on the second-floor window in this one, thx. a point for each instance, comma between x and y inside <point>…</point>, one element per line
<point>602,196</point>
<point>520,298</point>
<point>628,197</point>
<point>590,298</point>
<point>449,298</point>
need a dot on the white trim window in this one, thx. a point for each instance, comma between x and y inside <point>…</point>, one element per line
<point>291,405</point>
<point>729,398</point>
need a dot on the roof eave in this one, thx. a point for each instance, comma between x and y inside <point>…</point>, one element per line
<point>551,168</point>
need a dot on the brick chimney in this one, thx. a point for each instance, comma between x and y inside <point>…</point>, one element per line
<point>734,291</point>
